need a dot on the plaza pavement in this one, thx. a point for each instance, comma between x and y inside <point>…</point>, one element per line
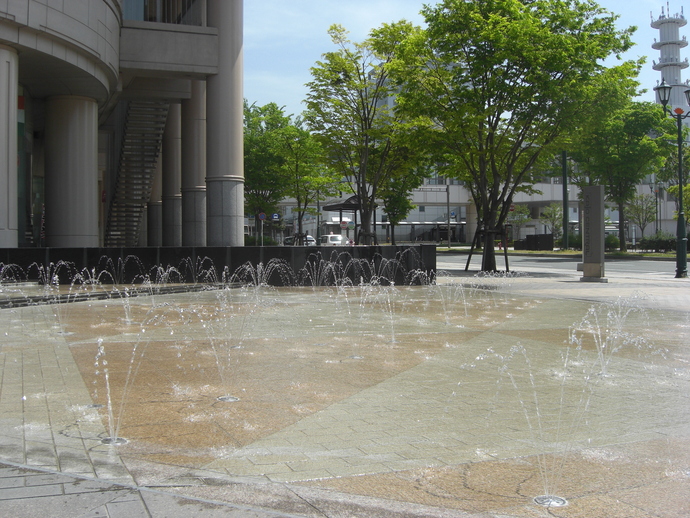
<point>409,444</point>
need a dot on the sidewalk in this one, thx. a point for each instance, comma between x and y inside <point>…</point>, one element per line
<point>28,492</point>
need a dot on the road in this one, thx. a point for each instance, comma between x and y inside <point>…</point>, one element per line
<point>562,265</point>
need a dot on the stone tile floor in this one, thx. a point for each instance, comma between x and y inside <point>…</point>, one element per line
<point>465,399</point>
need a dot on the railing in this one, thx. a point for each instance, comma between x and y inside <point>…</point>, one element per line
<point>180,12</point>
<point>672,59</point>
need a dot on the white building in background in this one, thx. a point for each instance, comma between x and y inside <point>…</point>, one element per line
<point>121,123</point>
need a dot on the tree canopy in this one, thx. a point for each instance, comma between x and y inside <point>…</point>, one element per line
<point>632,142</point>
<point>304,169</point>
<point>395,195</point>
<point>265,181</point>
<point>518,217</point>
<point>642,210</point>
<point>499,82</point>
<point>350,108</point>
<point>673,191</point>
<point>552,217</point>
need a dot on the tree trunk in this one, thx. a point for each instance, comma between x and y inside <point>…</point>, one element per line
<point>621,228</point>
<point>392,234</point>
<point>488,254</point>
<point>299,230</point>
<point>365,236</point>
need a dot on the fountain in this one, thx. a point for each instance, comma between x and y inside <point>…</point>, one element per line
<point>558,403</point>
<point>343,380</point>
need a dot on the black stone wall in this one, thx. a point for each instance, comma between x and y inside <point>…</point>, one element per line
<point>274,265</point>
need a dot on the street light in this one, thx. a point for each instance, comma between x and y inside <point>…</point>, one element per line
<point>664,93</point>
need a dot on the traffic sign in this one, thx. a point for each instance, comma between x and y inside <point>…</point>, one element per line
<point>350,225</point>
<point>343,225</point>
<point>262,216</point>
<point>275,217</point>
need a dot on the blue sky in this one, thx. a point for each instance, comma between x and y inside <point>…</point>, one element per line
<point>282,39</point>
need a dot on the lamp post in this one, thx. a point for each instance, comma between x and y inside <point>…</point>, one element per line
<point>664,93</point>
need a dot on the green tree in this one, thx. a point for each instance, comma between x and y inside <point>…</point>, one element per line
<point>308,180</point>
<point>518,217</point>
<point>499,81</point>
<point>552,218</point>
<point>395,195</point>
<point>349,106</point>
<point>621,150</point>
<point>642,210</point>
<point>668,173</point>
<point>264,172</point>
<point>673,191</point>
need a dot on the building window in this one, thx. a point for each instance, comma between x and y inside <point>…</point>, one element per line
<point>180,12</point>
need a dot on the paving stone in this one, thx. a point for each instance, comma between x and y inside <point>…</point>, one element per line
<point>445,421</point>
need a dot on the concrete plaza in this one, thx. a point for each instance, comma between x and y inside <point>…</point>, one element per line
<point>465,399</point>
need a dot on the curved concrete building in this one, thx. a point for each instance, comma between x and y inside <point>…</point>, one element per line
<point>86,91</point>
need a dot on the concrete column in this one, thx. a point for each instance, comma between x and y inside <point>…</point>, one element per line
<point>71,171</point>
<point>8,148</point>
<point>194,166</point>
<point>154,209</point>
<point>172,166</point>
<point>224,142</point>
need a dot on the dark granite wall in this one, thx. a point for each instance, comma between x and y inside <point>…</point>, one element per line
<point>280,265</point>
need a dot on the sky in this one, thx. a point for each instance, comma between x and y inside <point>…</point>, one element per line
<point>284,39</point>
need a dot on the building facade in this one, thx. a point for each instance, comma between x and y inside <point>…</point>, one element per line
<point>121,123</point>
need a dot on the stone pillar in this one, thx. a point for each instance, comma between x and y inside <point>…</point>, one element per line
<point>8,148</point>
<point>172,166</point>
<point>154,209</point>
<point>194,166</point>
<point>224,140</point>
<point>593,236</point>
<point>71,172</point>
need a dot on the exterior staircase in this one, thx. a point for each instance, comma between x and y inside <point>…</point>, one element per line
<point>141,144</point>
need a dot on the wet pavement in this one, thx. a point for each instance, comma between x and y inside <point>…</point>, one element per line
<point>466,399</point>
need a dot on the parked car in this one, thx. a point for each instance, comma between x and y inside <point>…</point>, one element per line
<point>294,240</point>
<point>333,240</point>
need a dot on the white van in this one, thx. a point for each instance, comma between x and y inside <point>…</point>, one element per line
<point>333,240</point>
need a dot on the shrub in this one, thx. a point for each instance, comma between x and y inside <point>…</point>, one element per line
<point>611,242</point>
<point>659,242</point>
<point>256,241</point>
<point>574,242</point>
